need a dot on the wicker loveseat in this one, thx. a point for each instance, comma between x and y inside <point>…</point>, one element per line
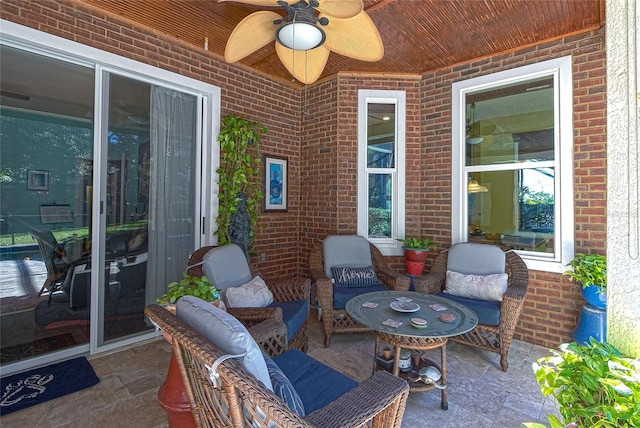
<point>290,295</point>
<point>347,250</point>
<point>223,392</point>
<point>496,319</point>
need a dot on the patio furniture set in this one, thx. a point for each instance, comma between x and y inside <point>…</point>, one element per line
<point>248,367</point>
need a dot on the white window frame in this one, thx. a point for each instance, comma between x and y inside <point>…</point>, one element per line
<point>561,71</point>
<point>387,246</point>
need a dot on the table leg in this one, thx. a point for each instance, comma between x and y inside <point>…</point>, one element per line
<point>444,403</point>
<point>396,360</point>
<point>376,352</point>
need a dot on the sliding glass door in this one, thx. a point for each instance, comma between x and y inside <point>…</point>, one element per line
<point>148,193</point>
<point>102,196</point>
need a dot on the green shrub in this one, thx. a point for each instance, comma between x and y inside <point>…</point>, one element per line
<point>190,286</point>
<point>588,269</point>
<point>594,384</point>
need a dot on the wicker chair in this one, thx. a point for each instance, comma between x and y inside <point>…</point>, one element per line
<point>336,320</point>
<point>283,289</point>
<point>494,338</point>
<point>241,400</point>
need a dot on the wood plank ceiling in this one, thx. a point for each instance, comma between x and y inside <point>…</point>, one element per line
<point>418,35</point>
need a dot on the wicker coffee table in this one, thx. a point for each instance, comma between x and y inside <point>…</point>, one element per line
<point>433,336</point>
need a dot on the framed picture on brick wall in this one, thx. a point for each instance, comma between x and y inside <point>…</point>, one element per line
<point>275,183</point>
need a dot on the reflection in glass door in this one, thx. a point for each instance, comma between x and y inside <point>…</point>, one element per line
<point>117,191</point>
<point>148,194</point>
<point>124,188</point>
<point>46,150</point>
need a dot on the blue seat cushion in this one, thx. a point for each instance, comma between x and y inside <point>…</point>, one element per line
<point>341,295</point>
<point>283,388</point>
<point>316,384</point>
<point>294,315</point>
<point>488,312</point>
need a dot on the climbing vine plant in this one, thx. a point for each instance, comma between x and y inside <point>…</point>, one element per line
<point>239,172</point>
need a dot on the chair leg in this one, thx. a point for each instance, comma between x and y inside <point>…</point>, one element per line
<point>503,362</point>
<point>327,339</point>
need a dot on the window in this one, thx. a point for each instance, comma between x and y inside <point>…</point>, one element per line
<point>512,162</point>
<point>381,147</point>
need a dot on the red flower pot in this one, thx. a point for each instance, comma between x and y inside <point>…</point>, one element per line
<point>414,261</point>
<point>414,268</point>
<point>415,255</point>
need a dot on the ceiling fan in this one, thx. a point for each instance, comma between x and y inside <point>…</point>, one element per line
<point>304,40</point>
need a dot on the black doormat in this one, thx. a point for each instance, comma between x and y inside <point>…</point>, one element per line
<point>36,386</point>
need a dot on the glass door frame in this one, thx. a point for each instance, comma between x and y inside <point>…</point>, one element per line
<point>206,162</point>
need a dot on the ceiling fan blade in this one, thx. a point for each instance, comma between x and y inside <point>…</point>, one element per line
<point>340,8</point>
<point>355,37</point>
<point>263,3</point>
<point>252,33</point>
<point>305,66</point>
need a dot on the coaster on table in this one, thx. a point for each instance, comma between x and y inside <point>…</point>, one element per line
<point>418,323</point>
<point>448,317</point>
<point>369,305</point>
<point>438,307</point>
<point>392,323</point>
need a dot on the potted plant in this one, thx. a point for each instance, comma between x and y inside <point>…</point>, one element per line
<point>239,192</point>
<point>189,286</point>
<point>590,271</point>
<point>415,253</point>
<point>594,385</point>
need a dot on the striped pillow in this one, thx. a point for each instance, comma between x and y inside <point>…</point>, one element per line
<point>351,277</point>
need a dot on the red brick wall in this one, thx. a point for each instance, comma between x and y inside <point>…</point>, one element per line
<point>553,302</point>
<point>317,130</point>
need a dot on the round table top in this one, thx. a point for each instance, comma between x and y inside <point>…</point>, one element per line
<point>359,308</point>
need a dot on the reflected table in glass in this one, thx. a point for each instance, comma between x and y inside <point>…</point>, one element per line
<point>372,309</point>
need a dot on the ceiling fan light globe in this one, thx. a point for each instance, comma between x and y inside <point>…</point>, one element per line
<point>300,36</point>
<point>475,140</point>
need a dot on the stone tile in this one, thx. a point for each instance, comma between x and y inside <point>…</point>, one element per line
<point>423,410</point>
<point>467,418</point>
<point>521,404</point>
<point>480,394</point>
<point>508,418</point>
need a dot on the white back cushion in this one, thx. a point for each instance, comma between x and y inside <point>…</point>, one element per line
<point>345,251</point>
<point>477,259</point>
<point>226,266</point>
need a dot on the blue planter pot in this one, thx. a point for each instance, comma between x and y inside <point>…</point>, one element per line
<point>595,296</point>
<point>591,323</point>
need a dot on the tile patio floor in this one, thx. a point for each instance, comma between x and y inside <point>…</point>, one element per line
<point>480,394</point>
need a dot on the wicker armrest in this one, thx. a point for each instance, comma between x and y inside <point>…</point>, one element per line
<point>515,291</point>
<point>394,280</point>
<point>430,283</point>
<point>290,289</point>
<point>382,397</point>
<point>251,316</point>
<point>271,336</point>
<point>318,274</point>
